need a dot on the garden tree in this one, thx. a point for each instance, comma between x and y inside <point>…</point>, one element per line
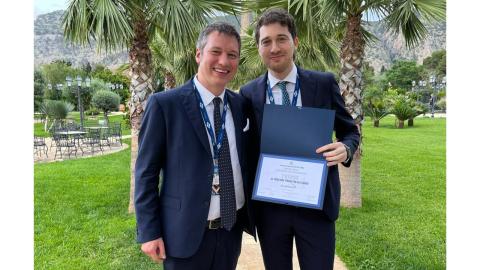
<point>402,17</point>
<point>70,94</point>
<point>106,101</point>
<point>57,71</point>
<point>374,104</point>
<point>436,63</point>
<point>56,110</point>
<point>117,77</point>
<point>402,73</point>
<point>131,24</point>
<point>53,93</point>
<point>107,75</point>
<point>39,86</point>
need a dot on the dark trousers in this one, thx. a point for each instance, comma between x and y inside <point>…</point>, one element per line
<point>314,234</point>
<point>219,250</point>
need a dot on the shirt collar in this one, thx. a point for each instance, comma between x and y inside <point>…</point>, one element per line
<point>207,96</point>
<point>291,77</point>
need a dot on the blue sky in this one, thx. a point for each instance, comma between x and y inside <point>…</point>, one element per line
<point>46,6</point>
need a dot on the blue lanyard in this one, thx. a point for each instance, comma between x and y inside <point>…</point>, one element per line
<point>295,93</point>
<point>216,141</point>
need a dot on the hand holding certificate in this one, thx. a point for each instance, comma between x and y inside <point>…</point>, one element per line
<point>289,169</point>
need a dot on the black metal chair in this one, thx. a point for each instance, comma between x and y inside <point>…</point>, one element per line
<point>39,145</point>
<point>105,137</point>
<point>92,139</point>
<point>116,132</point>
<point>63,141</point>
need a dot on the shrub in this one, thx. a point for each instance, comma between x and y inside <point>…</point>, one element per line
<point>106,101</point>
<point>70,95</point>
<point>401,105</point>
<point>374,104</point>
<point>55,110</point>
<point>442,104</point>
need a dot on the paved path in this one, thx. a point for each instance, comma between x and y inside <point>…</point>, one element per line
<point>40,157</point>
<point>251,256</point>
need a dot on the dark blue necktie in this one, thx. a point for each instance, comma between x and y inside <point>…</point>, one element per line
<point>228,206</point>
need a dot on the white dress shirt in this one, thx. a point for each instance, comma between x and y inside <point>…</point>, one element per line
<point>207,98</point>
<point>291,79</point>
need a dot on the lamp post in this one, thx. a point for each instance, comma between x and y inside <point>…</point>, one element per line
<point>415,90</point>
<point>433,83</point>
<point>78,92</point>
<point>57,87</point>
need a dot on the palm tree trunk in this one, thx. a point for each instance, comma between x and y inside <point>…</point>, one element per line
<point>245,22</point>
<point>400,123</point>
<point>170,81</point>
<point>376,123</point>
<point>141,87</point>
<point>351,55</point>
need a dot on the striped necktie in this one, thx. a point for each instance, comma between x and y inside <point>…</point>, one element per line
<point>285,98</point>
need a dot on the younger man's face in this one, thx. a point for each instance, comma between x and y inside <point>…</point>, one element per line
<point>276,47</point>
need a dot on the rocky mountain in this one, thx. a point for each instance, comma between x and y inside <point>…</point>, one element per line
<point>49,45</point>
<point>390,47</point>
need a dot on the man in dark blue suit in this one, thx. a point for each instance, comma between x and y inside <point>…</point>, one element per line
<point>278,225</point>
<point>196,136</point>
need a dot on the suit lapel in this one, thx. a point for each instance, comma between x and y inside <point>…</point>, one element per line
<point>191,107</point>
<point>307,88</point>
<point>235,108</point>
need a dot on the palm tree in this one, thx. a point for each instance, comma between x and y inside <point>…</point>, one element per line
<point>374,104</point>
<point>405,17</point>
<point>176,66</point>
<point>120,24</point>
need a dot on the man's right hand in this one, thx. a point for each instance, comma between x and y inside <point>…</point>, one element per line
<point>155,249</point>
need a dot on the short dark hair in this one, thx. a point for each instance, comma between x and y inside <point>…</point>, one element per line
<point>222,28</point>
<point>276,15</point>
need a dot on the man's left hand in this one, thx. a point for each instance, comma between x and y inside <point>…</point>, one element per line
<point>334,153</point>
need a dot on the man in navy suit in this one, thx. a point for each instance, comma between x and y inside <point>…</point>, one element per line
<point>278,225</point>
<point>195,135</point>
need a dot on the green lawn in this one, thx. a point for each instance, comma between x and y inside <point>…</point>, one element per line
<point>402,223</point>
<point>88,121</point>
<point>81,219</point>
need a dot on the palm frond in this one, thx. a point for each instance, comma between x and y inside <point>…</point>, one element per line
<point>405,17</point>
<point>102,20</point>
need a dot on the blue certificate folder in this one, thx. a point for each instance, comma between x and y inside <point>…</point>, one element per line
<point>295,133</point>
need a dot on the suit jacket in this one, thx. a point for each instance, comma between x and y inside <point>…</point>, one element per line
<point>173,140</point>
<point>319,90</point>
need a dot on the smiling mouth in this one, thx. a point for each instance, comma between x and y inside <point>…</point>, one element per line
<point>222,71</point>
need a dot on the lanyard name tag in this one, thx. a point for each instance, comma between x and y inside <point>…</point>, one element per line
<point>216,140</point>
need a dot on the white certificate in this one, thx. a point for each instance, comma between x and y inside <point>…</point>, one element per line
<point>291,180</point>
